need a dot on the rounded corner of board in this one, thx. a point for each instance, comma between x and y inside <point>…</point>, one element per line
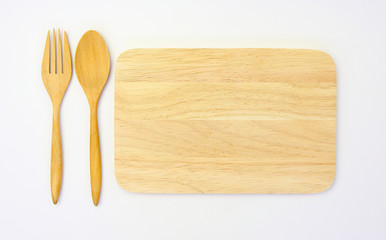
<point>122,54</point>
<point>122,185</point>
<point>118,179</point>
<point>327,55</point>
<point>328,185</point>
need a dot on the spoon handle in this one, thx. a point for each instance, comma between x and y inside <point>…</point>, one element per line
<point>56,156</point>
<point>95,155</point>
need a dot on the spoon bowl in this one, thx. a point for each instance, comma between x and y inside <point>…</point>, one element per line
<point>92,64</point>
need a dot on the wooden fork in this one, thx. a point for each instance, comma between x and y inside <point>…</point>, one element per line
<point>56,78</point>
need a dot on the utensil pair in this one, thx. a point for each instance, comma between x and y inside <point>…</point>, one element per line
<point>92,67</point>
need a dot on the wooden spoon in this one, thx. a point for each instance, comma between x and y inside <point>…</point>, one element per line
<point>92,67</point>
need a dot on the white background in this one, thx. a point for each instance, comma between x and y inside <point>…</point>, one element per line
<point>352,32</point>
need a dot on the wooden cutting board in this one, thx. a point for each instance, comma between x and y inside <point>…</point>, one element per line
<point>225,120</point>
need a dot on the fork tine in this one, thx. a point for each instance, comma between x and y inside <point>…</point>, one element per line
<point>46,56</point>
<point>53,54</point>
<point>60,66</point>
<point>67,64</point>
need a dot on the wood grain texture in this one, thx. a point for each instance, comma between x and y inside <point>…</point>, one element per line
<point>56,74</point>
<point>225,120</point>
<point>92,67</point>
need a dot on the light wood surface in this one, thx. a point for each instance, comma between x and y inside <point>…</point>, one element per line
<point>92,67</point>
<point>225,120</point>
<point>56,77</point>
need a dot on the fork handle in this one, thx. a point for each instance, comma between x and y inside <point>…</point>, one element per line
<point>56,156</point>
<point>95,155</point>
